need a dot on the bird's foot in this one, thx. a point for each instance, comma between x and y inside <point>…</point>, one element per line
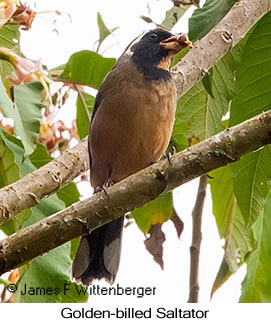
<point>107,184</point>
<point>169,154</point>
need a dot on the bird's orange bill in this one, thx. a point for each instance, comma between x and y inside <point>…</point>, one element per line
<point>176,43</point>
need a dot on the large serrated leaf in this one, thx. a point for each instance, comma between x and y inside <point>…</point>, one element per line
<point>199,114</point>
<point>256,287</point>
<point>253,77</point>
<point>87,68</point>
<point>205,18</point>
<point>251,182</point>
<point>231,225</point>
<point>200,110</point>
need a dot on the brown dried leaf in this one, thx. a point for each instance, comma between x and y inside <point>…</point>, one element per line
<point>178,223</point>
<point>154,243</point>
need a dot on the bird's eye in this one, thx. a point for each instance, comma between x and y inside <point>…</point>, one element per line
<point>153,36</point>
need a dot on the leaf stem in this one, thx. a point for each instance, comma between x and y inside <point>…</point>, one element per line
<point>6,283</point>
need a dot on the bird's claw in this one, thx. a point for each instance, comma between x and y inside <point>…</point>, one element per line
<point>169,154</point>
<point>107,184</point>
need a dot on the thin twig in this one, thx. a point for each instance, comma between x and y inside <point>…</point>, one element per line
<point>196,240</point>
<point>83,101</point>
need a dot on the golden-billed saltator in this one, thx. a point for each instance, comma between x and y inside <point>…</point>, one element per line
<point>130,129</point>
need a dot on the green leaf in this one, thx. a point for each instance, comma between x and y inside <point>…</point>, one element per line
<point>173,15</point>
<point>88,68</point>
<point>16,223</point>
<point>177,58</point>
<point>253,94</point>
<point>256,287</point>
<point>16,146</point>
<point>9,38</point>
<point>207,83</point>
<point>9,173</point>
<point>205,18</point>
<point>68,194</point>
<point>27,99</point>
<point>82,118</point>
<point>26,113</point>
<point>5,102</point>
<point>74,246</point>
<point>231,225</point>
<point>251,182</point>
<point>156,211</point>
<point>40,156</point>
<point>46,207</point>
<point>104,32</point>
<point>9,170</point>
<point>199,114</point>
<point>48,278</point>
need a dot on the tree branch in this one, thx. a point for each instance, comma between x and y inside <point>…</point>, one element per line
<point>196,240</point>
<point>27,192</point>
<point>46,180</point>
<point>134,191</point>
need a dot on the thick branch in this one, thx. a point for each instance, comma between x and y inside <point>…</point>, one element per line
<point>219,150</point>
<point>196,240</point>
<point>27,192</point>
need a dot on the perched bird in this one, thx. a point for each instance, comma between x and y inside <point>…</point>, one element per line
<point>130,129</point>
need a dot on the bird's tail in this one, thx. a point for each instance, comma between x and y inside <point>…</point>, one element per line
<point>98,254</point>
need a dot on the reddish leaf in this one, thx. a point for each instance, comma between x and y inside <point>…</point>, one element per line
<point>154,243</point>
<point>178,223</point>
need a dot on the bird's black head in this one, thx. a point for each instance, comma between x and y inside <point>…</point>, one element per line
<point>152,53</point>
